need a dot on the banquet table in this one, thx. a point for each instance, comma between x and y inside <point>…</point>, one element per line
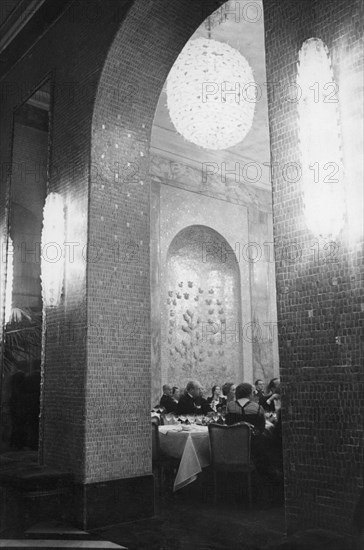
<point>192,447</point>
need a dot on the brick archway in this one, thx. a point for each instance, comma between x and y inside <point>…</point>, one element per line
<point>141,55</point>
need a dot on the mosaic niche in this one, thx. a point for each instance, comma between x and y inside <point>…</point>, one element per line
<point>201,310</point>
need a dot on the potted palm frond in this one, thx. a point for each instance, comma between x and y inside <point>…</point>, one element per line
<point>22,338</point>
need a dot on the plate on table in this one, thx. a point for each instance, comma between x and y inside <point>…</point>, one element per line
<point>186,427</point>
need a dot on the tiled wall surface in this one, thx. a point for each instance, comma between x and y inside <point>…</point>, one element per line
<point>320,285</point>
<point>72,52</point>
<point>119,373</point>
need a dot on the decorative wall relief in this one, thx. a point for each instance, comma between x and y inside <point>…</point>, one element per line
<point>164,170</point>
<point>196,345</point>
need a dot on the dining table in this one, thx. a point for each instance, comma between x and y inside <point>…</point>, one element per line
<point>191,444</point>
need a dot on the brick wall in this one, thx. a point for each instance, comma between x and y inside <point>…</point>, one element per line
<point>89,370</point>
<point>136,67</point>
<point>72,52</point>
<point>320,290</point>
<point>94,374</point>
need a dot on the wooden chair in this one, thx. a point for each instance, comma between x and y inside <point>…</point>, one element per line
<point>156,420</point>
<point>162,463</point>
<point>230,452</point>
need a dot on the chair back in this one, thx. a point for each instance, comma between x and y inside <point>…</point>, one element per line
<point>230,445</point>
<point>155,443</point>
<point>156,420</point>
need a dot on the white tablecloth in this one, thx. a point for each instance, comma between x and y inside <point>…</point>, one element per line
<point>193,447</point>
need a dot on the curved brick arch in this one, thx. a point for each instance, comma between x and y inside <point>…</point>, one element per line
<point>139,59</point>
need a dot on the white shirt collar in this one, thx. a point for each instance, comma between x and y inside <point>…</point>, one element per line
<point>243,401</point>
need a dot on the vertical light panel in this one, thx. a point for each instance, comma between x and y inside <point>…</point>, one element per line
<point>320,141</point>
<point>52,258</point>
<point>9,280</point>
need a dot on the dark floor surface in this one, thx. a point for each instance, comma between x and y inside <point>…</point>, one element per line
<point>188,520</point>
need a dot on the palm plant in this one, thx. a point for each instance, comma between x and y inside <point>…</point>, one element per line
<point>22,338</point>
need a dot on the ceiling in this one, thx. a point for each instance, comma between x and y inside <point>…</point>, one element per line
<point>14,15</point>
<point>240,32</point>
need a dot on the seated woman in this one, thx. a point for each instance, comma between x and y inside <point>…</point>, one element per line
<point>228,391</point>
<point>268,401</point>
<point>216,401</point>
<point>245,409</point>
<point>167,401</point>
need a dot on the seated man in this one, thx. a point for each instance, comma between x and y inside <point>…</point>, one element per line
<point>167,401</point>
<point>244,409</point>
<point>203,406</point>
<point>176,393</point>
<point>188,402</point>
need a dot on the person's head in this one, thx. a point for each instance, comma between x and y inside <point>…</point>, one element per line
<point>194,388</point>
<point>274,385</point>
<point>216,391</point>
<point>259,385</point>
<point>176,393</point>
<point>244,390</point>
<point>167,389</point>
<point>228,390</point>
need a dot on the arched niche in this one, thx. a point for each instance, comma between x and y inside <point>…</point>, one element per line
<point>200,310</point>
<point>119,373</point>
<point>129,88</point>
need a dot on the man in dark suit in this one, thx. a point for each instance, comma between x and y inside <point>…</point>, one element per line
<point>188,403</point>
<point>167,401</point>
<point>203,407</point>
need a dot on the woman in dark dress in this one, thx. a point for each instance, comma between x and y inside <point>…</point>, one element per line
<point>245,409</point>
<point>216,401</point>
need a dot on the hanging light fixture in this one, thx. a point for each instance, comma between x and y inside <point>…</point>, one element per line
<point>209,94</point>
<point>320,141</point>
<point>52,257</point>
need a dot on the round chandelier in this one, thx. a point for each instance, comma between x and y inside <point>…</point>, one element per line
<point>211,94</point>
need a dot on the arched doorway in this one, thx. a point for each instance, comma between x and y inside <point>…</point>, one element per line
<point>120,222</point>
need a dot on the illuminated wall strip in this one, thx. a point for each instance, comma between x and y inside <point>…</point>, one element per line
<point>320,141</point>
<point>52,257</point>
